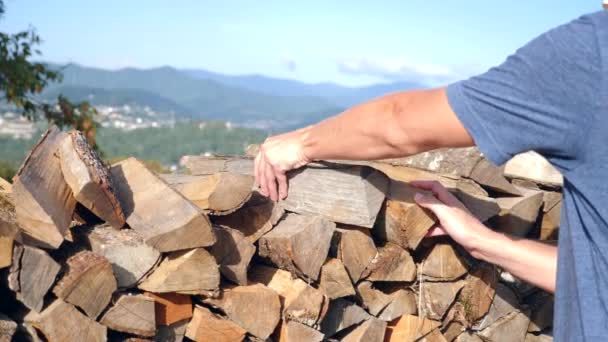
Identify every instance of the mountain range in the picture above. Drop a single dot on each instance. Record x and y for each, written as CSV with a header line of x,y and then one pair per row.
x,y
249,100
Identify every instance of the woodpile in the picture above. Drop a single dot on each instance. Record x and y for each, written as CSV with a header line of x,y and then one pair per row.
x,y
90,252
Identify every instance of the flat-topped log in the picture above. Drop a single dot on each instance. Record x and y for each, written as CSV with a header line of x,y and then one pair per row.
x,y
89,178
207,326
491,176
356,249
458,162
532,166
334,280
170,308
480,205
44,202
392,263
372,299
340,193
341,315
166,220
372,330
233,252
131,314
518,215
402,302
443,263
436,298
208,165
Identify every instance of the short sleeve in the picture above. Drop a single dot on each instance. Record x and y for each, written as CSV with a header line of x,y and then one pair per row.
x,y
542,98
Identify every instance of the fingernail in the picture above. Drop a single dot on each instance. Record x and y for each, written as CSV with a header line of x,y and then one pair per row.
x,y
418,196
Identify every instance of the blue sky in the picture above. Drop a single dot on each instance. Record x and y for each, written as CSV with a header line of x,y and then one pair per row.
x,y
348,42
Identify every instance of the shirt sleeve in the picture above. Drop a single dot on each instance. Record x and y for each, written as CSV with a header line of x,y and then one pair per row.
x,y
542,98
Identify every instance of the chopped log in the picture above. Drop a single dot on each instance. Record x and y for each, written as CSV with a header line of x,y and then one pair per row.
x,y
299,244
414,328
372,330
392,263
541,317
31,275
491,176
459,162
355,197
207,326
7,328
481,206
468,336
256,308
170,308
61,321
452,330
5,187
443,263
334,280
372,299
436,298
549,229
89,178
510,328
518,215
130,256
301,302
172,333
342,314
44,201
131,314
255,218
356,249
532,166
505,302
6,251
217,194
403,222
166,220
296,332
189,272
233,252
88,283
538,338
202,165
478,292
403,302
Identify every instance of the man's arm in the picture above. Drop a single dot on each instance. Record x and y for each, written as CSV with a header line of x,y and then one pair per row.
x,y
395,125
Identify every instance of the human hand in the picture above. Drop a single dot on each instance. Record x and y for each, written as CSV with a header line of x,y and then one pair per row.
x,y
278,155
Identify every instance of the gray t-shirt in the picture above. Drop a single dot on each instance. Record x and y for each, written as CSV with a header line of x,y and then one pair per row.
x,y
551,97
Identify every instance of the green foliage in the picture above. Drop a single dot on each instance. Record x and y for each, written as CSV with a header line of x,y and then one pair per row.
x,y
7,171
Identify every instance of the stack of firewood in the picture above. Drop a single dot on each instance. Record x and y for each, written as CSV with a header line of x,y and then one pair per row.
x,y
95,253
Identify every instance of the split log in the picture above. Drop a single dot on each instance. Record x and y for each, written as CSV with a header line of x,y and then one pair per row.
x,y
5,187
334,280
7,328
372,299
255,218
468,336
131,314
481,206
510,328
402,302
459,162
188,272
372,330
130,256
88,283
541,317
217,194
505,302
351,195
549,229
478,292
207,326
341,315
356,249
518,215
299,244
233,252
202,165
170,308
44,202
166,220
443,263
6,251
532,166
392,263
402,221
61,321
31,275
89,178
172,333
538,338
491,176
414,328
436,298
296,332
256,308
455,321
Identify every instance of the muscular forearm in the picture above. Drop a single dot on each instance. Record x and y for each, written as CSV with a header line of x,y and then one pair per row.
x,y
391,126
532,261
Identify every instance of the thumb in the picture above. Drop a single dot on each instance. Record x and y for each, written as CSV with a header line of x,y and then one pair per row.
x,y
431,203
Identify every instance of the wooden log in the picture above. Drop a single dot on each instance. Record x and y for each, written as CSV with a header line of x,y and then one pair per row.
x,y
299,244
436,298
505,302
131,314
392,263
549,229
291,331
372,330
218,194
89,178
468,336
31,275
402,302
6,251
170,308
334,280
172,333
532,166
478,292
356,249
372,299
510,328
130,256
88,283
207,326
44,202
402,221
356,194
480,205
256,308
166,220
459,162
518,215
538,338
61,322
414,328
202,165
541,316
233,252
7,328
5,187
255,218
491,176
443,263
188,272
341,315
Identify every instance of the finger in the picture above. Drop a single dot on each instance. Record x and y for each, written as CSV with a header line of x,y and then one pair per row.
x,y
438,189
432,203
263,186
271,182
282,180
436,231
